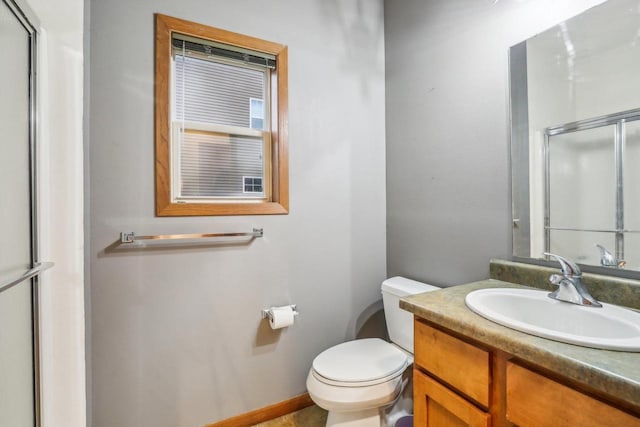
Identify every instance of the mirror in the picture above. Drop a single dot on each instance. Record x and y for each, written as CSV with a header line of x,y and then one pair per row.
x,y
575,138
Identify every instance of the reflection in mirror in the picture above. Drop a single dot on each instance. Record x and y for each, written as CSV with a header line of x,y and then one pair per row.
x,y
575,138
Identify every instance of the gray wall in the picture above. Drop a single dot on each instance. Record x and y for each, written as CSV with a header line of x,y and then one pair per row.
x,y
448,178
176,335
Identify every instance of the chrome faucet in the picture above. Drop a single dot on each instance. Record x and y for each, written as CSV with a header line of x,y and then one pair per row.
x,y
607,259
570,287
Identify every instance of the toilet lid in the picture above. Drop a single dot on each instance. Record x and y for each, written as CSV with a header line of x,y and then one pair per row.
x,y
360,360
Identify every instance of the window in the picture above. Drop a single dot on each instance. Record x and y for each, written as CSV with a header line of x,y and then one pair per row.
x,y
221,122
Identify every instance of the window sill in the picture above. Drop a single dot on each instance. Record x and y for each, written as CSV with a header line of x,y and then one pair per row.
x,y
215,209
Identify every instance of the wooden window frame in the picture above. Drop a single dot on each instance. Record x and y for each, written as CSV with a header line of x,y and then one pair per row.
x,y
279,176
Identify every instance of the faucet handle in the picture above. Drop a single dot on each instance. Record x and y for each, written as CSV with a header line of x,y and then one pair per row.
x,y
607,259
569,268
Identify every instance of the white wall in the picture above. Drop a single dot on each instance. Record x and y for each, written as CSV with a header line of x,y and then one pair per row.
x,y
177,338
448,181
60,74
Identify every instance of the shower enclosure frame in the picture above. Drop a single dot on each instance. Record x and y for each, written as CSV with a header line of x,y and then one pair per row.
x,y
27,19
619,120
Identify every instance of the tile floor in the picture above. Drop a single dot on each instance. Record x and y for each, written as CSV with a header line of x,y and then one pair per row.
x,y
312,416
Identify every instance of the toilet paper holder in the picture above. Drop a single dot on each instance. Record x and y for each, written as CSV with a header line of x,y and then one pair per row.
x,y
268,314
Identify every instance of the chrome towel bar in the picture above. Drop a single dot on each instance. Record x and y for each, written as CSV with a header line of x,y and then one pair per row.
x,y
38,268
130,237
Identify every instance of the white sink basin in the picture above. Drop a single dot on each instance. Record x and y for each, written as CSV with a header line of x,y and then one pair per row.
x,y
609,327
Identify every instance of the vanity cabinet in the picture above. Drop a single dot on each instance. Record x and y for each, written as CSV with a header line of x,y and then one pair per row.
x,y
458,382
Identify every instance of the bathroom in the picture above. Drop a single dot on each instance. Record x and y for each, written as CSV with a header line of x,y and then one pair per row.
x,y
399,164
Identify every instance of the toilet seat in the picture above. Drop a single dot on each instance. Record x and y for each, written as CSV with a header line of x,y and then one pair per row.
x,y
357,383
360,363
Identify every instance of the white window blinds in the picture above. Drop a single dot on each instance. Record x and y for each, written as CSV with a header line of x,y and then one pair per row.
x,y
220,124
213,164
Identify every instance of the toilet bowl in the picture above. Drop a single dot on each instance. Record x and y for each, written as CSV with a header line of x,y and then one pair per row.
x,y
364,383
354,380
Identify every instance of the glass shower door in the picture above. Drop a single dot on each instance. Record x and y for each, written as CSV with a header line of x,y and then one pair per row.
x,y
592,196
18,368
581,196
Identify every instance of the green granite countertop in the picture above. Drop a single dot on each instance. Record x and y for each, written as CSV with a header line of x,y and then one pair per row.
x,y
612,373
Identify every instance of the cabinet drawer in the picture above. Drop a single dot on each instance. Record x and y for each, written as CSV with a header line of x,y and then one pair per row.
x,y
535,400
437,406
460,364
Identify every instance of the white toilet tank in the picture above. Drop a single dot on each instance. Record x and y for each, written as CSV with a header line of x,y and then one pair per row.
x,y
399,321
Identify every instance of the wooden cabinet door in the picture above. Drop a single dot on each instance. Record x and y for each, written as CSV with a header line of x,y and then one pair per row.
x,y
437,406
537,401
462,365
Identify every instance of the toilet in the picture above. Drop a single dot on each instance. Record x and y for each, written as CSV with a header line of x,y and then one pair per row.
x,y
364,383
